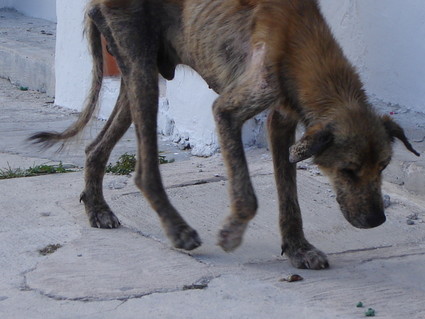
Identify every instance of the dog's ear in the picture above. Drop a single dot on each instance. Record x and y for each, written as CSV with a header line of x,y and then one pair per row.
x,y
395,131
314,141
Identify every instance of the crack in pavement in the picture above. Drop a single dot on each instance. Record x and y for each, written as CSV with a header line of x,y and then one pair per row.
x,y
349,251
147,236
392,257
185,184
200,284
195,182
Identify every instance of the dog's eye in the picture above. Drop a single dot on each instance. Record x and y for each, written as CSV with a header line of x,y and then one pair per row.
x,y
349,172
383,165
381,169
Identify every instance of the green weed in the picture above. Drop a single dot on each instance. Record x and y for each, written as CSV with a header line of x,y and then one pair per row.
x,y
36,170
126,164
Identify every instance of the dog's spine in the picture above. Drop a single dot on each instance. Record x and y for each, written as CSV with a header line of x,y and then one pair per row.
x,y
48,139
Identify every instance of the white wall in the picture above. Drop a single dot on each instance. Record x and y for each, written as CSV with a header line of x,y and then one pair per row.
x,y
6,3
44,9
383,38
187,116
72,63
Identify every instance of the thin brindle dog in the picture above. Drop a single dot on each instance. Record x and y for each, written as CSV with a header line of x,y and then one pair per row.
x,y
276,55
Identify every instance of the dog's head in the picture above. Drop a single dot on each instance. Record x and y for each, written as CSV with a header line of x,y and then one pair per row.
x,y
353,151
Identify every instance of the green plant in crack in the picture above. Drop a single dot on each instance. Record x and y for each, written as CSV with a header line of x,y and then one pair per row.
x,y
35,170
126,164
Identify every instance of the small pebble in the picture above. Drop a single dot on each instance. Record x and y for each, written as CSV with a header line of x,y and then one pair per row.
x,y
387,201
370,313
119,183
303,167
413,216
69,166
292,278
410,222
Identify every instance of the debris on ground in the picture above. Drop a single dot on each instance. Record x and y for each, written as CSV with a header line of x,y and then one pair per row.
x,y
412,218
387,201
370,313
126,164
292,278
49,249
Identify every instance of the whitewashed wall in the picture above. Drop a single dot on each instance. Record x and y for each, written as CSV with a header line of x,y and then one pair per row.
x,y
383,38
386,41
44,9
73,62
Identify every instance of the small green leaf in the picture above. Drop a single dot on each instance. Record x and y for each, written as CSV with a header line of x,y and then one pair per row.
x,y
370,313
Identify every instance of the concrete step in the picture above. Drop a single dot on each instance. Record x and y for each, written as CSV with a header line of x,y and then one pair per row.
x,y
27,51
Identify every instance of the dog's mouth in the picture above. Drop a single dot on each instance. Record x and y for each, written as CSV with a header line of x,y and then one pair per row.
x,y
364,220
368,213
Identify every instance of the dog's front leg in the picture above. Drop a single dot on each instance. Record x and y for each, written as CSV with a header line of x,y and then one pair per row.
x,y
301,253
242,196
254,92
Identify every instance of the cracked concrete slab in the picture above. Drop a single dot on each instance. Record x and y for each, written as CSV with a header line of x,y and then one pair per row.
x,y
114,265
134,269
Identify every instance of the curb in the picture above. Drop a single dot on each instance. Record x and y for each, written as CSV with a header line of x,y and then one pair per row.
x,y
27,51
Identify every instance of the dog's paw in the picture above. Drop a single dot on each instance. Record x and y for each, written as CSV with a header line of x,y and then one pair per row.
x,y
308,258
230,236
103,218
98,212
184,237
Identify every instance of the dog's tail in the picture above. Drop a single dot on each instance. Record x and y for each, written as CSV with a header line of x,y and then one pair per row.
x,y
48,139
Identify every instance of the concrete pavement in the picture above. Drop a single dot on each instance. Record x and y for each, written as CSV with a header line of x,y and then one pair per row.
x,y
132,272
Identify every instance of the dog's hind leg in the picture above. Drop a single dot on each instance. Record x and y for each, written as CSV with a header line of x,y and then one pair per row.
x,y
97,155
136,35
302,254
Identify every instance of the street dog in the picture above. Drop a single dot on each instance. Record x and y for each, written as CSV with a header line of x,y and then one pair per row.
x,y
275,55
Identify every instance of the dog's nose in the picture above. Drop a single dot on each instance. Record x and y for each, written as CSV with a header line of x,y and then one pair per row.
x,y
376,220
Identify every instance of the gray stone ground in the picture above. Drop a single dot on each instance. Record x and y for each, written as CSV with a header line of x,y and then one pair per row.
x,y
132,272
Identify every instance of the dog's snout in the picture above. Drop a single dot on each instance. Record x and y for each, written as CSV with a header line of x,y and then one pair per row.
x,y
376,220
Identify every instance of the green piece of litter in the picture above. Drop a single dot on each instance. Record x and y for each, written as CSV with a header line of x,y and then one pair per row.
x,y
370,313
23,88
359,305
